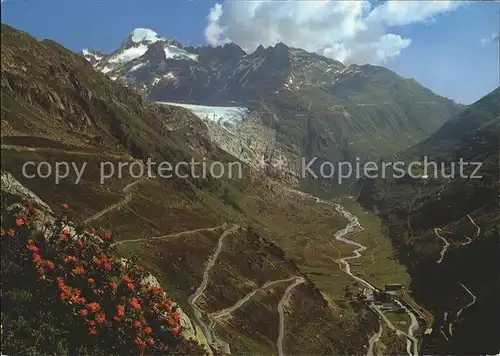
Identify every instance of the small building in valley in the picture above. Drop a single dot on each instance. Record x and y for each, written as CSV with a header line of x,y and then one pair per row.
x,y
393,287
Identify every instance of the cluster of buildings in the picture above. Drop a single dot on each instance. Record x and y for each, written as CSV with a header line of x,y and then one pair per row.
x,y
382,298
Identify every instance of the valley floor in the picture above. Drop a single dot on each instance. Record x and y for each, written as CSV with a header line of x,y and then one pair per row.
x,y
287,272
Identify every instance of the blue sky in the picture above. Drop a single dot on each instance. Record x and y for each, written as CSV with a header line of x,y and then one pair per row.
x,y
445,54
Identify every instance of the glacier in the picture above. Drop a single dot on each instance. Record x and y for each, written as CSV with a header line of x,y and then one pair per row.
x,y
227,116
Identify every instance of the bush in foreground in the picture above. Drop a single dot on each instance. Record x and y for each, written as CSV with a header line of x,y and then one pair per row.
x,y
64,293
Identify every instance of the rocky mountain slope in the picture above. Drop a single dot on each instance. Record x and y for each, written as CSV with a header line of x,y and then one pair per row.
x,y
447,228
210,242
301,104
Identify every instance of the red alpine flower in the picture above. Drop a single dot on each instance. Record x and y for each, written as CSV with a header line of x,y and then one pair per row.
x,y
33,248
120,310
84,312
100,318
94,307
50,265
135,303
79,270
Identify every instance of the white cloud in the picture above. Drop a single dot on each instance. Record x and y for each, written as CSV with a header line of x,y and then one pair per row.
x,y
402,13
492,39
213,31
349,31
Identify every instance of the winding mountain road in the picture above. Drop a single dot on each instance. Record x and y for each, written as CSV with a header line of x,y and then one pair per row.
x,y
446,244
208,330
246,298
117,205
281,304
450,329
478,229
411,339
209,334
125,200
354,226
389,323
445,321
359,105
173,235
450,323
374,339
53,149
468,241
473,296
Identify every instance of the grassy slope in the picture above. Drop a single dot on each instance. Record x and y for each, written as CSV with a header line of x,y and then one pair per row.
x,y
373,111
365,116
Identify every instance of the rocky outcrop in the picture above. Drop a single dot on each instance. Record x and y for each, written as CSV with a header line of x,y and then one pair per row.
x,y
19,194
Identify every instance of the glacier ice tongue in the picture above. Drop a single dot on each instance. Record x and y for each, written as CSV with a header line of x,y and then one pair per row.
x,y
224,115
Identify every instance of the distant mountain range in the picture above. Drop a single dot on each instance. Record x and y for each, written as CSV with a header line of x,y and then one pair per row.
x,y
307,105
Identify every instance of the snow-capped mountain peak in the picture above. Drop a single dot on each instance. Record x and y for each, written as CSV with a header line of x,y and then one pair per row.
x,y
145,35
92,56
163,69
143,51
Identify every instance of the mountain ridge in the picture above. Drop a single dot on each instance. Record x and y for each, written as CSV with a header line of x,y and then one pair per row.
x,y
197,50
306,104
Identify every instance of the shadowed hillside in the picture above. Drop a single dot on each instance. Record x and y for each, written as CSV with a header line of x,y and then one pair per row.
x,y
447,229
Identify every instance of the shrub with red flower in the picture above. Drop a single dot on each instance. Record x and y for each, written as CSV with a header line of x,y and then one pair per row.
x,y
88,291
19,221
